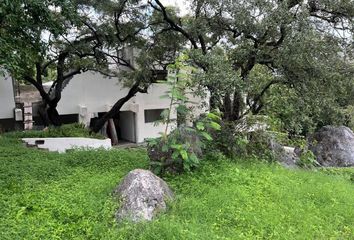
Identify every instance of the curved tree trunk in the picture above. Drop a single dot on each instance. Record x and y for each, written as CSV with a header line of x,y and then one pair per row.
x,y
53,116
49,115
116,108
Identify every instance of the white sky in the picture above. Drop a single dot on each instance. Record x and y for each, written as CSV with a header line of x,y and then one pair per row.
x,y
183,5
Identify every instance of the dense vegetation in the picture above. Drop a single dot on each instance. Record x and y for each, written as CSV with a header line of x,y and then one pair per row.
x,y
254,57
68,196
286,64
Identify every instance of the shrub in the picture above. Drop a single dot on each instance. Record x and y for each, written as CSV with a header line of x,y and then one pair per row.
x,y
228,141
182,149
307,159
67,130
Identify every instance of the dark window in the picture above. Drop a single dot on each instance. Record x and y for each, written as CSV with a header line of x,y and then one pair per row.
x,y
159,75
153,115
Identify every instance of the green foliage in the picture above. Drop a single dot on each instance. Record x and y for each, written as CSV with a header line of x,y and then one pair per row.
x,y
228,141
181,145
23,24
246,48
68,196
181,149
302,112
68,130
308,159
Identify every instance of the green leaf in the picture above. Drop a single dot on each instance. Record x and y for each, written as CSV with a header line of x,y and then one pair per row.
x,y
194,159
183,154
200,126
215,126
164,148
175,155
176,146
206,136
213,116
165,96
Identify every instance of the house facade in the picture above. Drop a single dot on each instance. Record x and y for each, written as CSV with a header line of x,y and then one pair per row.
x,y
89,95
7,103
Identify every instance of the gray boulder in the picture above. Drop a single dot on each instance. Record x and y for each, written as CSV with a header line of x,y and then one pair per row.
x,y
289,157
143,196
333,146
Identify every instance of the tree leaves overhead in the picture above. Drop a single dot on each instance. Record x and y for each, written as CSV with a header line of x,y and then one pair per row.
x,y
302,43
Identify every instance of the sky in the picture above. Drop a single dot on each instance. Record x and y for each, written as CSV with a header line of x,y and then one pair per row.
x,y
181,4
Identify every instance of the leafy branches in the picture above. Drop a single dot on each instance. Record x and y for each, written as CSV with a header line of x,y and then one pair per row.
x,y
181,149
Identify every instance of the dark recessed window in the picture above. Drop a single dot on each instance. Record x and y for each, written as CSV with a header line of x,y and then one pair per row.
x,y
153,115
159,75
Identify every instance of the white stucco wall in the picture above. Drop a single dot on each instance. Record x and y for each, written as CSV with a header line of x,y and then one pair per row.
x,y
92,93
96,93
7,100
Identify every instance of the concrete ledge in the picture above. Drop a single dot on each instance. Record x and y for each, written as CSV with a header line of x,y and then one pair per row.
x,y
62,144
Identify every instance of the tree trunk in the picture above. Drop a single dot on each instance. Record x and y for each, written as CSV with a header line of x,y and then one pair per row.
x,y
49,114
237,106
115,109
227,107
113,131
53,116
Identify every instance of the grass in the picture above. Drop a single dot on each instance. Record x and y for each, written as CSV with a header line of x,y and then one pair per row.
x,y
68,196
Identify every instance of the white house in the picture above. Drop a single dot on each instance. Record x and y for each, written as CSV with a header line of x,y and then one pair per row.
x,y
7,102
90,94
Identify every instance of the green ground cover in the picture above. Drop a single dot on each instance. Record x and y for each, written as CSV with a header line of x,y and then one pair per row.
x,y
68,196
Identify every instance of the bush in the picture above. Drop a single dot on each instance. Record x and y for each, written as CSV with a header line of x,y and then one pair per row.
x,y
181,149
67,130
307,159
229,141
179,152
233,143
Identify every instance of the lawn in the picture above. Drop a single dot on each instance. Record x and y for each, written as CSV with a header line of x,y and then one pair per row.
x,y
68,196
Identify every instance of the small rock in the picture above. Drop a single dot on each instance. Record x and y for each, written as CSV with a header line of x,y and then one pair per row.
x,y
143,196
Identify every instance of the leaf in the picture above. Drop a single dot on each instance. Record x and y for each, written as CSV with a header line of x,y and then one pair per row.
x,y
189,129
161,81
164,148
176,146
215,126
165,96
157,170
175,155
183,154
213,116
206,136
200,126
194,159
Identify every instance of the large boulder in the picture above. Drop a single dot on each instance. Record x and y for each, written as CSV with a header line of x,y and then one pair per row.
x,y
143,195
333,146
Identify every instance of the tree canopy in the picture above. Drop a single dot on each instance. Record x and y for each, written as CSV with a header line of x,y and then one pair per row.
x,y
248,51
